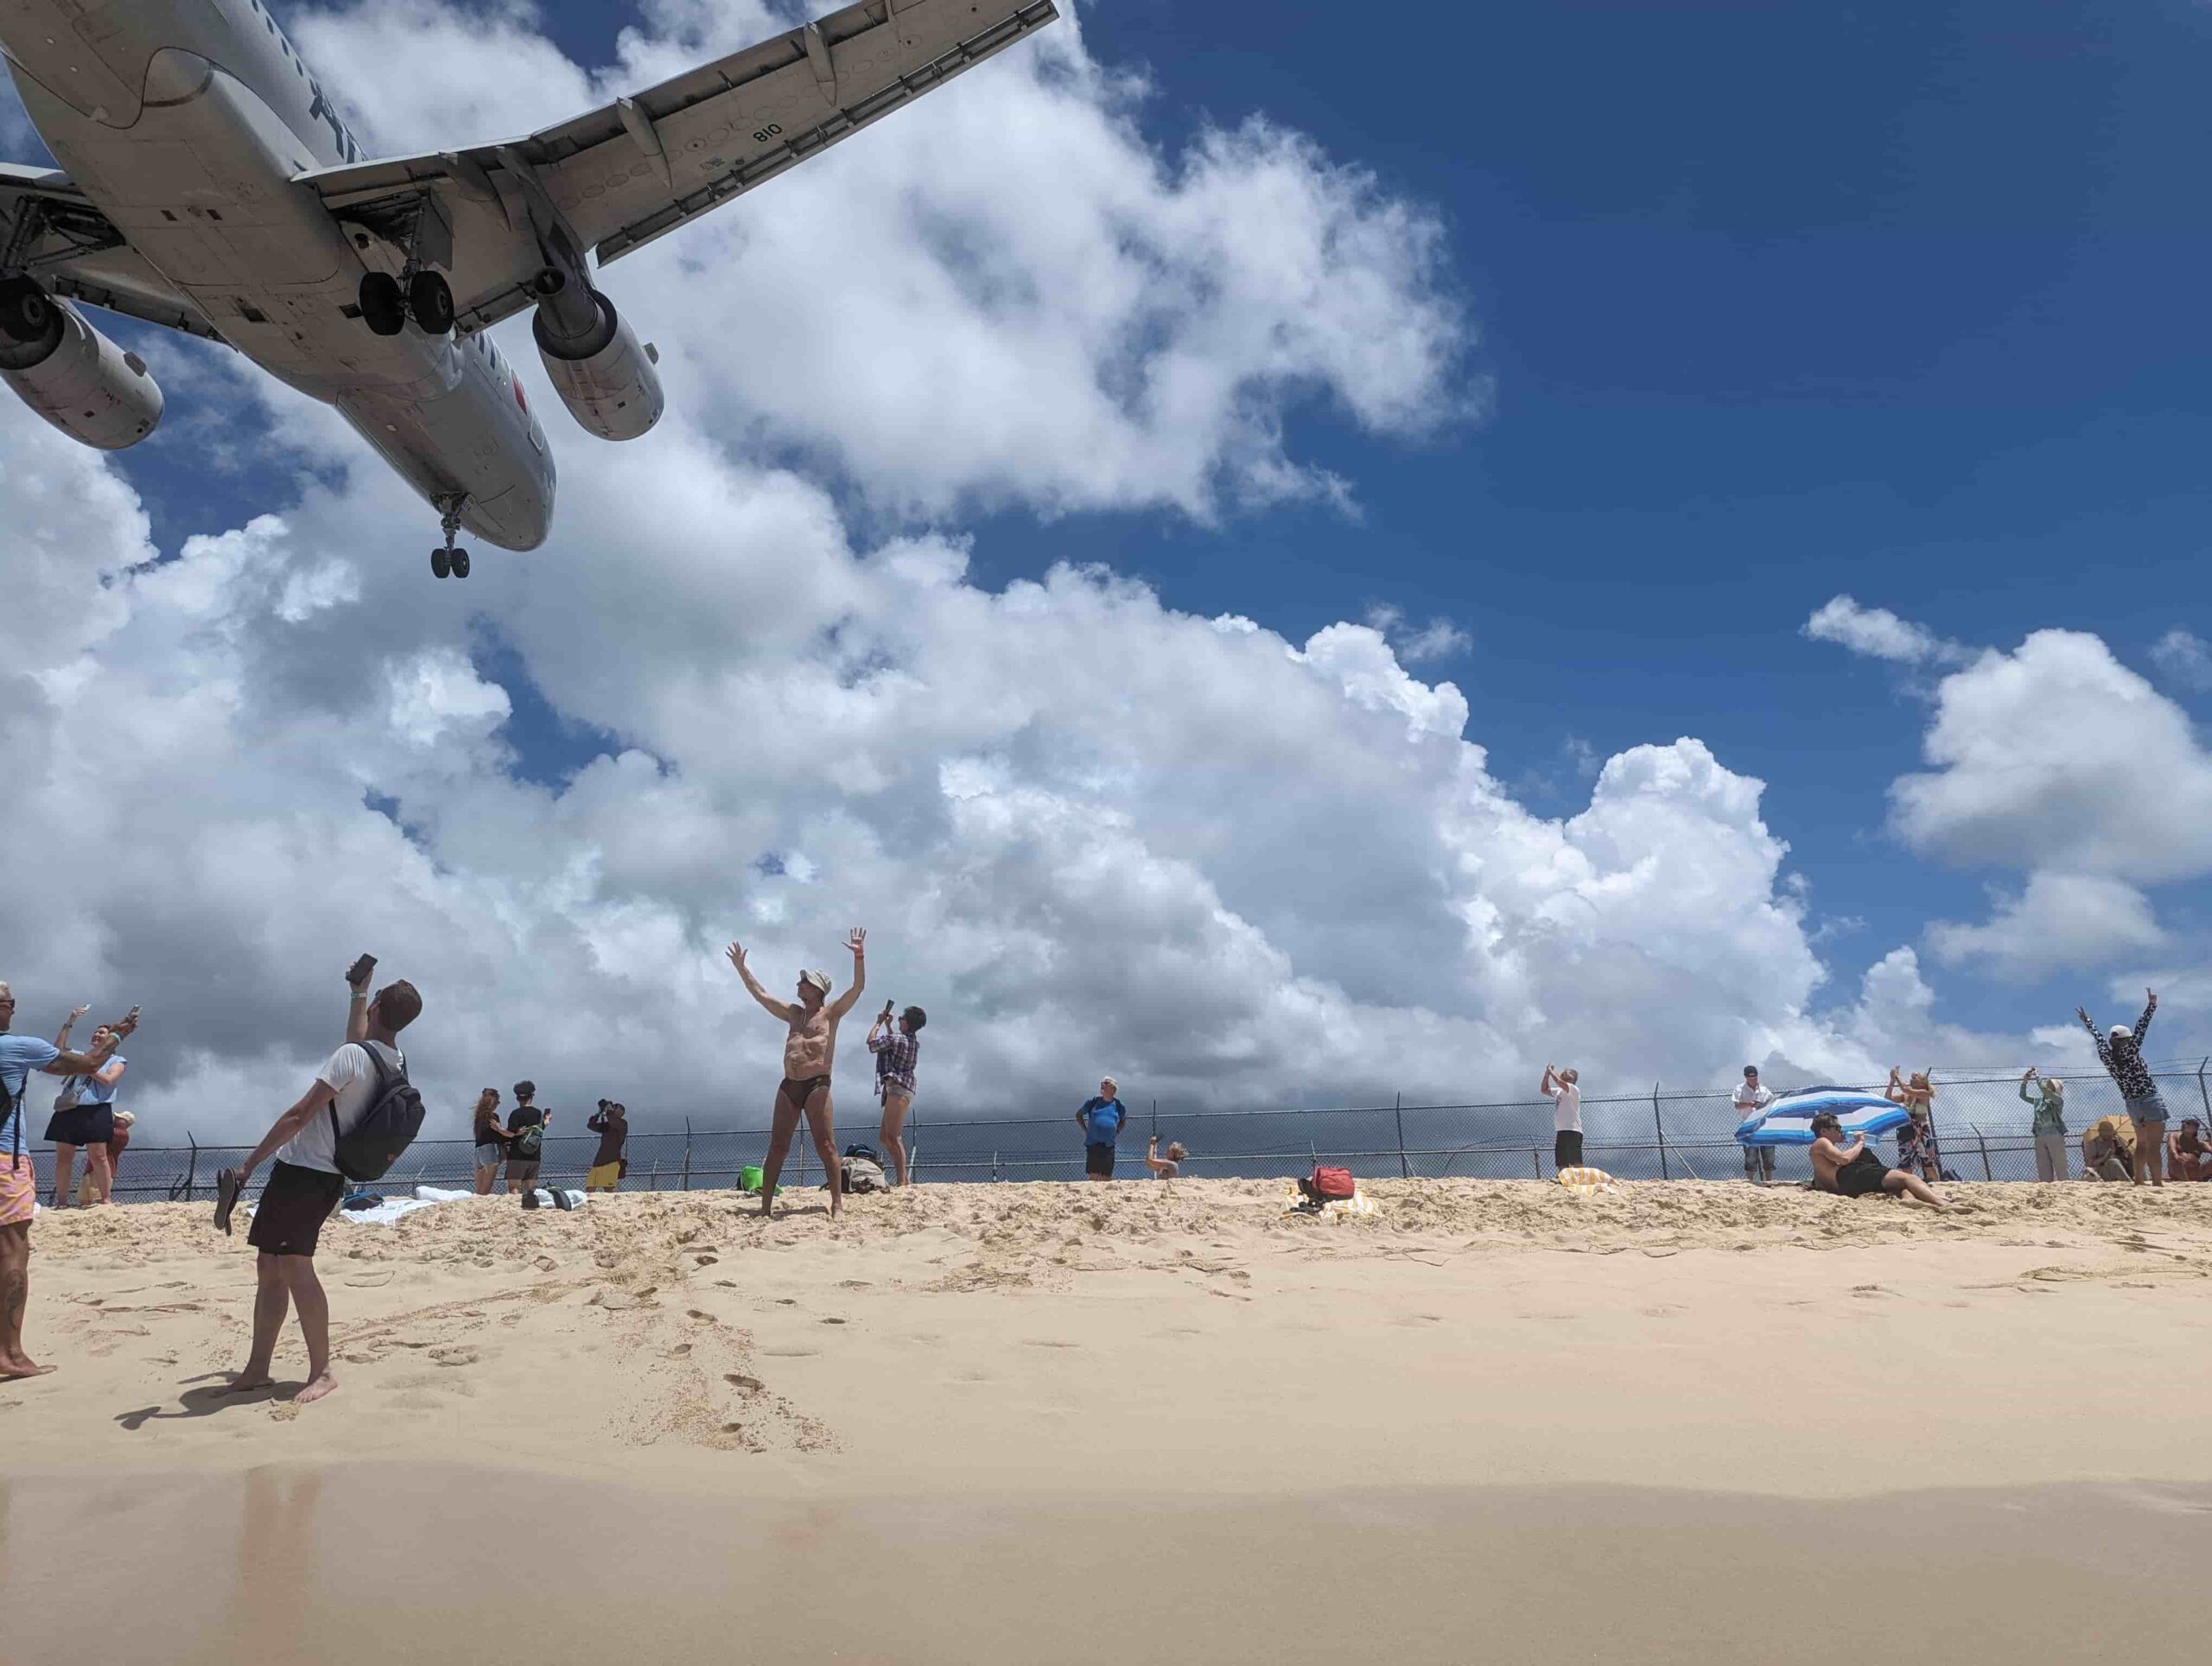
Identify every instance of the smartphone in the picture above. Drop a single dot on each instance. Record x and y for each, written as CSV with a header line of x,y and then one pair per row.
x,y
359,971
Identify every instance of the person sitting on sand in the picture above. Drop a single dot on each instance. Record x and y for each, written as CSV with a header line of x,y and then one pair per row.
x,y
2187,1158
810,1050
490,1140
1101,1119
19,1056
1167,1167
2106,1156
1853,1171
305,1185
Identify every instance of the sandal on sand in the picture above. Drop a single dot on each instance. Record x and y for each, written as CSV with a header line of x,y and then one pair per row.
x,y
228,1187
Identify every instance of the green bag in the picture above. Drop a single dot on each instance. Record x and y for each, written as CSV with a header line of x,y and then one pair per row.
x,y
751,1179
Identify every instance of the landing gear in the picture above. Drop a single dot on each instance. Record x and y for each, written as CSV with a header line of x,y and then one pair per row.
x,y
383,308
447,559
430,301
386,305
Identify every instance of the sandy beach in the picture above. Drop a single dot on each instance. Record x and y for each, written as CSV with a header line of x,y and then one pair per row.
x,y
1685,1421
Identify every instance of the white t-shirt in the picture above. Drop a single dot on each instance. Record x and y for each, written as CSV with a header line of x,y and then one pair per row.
x,y
1750,1099
1567,1108
348,1071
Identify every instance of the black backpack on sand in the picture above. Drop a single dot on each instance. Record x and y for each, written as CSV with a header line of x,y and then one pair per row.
x,y
388,1127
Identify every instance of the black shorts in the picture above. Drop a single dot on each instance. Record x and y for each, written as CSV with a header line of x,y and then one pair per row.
x,y
293,1207
82,1125
1862,1175
1098,1159
1567,1148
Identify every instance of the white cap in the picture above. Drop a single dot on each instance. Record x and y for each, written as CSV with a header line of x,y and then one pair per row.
x,y
820,980
2119,1030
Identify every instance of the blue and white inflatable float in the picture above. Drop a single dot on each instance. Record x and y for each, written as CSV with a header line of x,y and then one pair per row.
x,y
1788,1120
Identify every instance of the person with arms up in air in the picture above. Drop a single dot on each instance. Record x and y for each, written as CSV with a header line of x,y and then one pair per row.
x,y
305,1185
1916,1149
2048,1123
1167,1167
1560,1086
490,1140
810,1050
896,1052
527,1124
612,1124
1100,1120
83,1117
2120,1051
1853,1171
1751,1096
22,1057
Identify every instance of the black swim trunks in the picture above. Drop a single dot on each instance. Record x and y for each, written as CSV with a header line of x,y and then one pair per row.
x,y
1862,1175
799,1093
293,1205
1098,1159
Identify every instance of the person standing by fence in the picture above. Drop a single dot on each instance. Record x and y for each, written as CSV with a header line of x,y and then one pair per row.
x,y
527,1126
84,1118
489,1139
2120,1051
612,1124
1100,1120
21,1055
2049,1125
809,1055
1560,1087
1751,1097
1916,1147
896,1053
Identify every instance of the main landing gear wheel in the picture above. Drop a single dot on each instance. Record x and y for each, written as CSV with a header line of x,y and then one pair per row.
x,y
430,301
446,559
383,308
441,563
461,563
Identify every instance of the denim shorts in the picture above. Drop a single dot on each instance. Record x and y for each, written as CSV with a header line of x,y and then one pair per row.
x,y
2149,1108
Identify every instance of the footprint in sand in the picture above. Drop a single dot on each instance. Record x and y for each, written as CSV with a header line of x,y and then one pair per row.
x,y
790,1353
461,1356
699,1314
739,1380
369,1281
678,1351
1048,1342
833,1322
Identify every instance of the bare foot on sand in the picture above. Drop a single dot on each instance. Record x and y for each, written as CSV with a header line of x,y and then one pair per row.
x,y
323,1385
24,1366
242,1384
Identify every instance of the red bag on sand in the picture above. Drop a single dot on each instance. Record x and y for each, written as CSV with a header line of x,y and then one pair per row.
x,y
1331,1186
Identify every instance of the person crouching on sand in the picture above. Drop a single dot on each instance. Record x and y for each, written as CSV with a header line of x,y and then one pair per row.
x,y
2187,1158
1167,1167
490,1141
809,1050
305,1185
1852,1171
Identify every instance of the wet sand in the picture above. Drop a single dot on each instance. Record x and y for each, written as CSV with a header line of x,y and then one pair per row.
x,y
355,1564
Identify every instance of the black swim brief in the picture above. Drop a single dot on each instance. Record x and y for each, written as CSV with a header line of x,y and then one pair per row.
x,y
799,1093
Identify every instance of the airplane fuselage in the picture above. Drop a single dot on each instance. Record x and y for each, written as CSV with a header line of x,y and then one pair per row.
x,y
187,123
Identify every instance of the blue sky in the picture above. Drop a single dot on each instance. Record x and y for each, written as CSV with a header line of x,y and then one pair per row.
x,y
1770,303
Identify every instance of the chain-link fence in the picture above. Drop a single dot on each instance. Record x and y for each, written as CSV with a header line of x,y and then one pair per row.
x,y
1982,1130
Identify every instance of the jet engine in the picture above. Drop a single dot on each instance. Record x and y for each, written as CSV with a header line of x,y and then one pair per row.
x,y
71,374
607,380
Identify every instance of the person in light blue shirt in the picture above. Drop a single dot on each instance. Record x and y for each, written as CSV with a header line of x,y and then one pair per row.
x,y
1100,1121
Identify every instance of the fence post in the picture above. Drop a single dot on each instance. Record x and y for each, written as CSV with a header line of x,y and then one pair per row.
x,y
1659,1123
191,1169
1983,1142
2201,1093
687,1154
1536,1160
1398,1110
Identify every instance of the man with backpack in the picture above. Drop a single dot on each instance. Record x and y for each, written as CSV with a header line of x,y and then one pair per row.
x,y
526,1124
361,1093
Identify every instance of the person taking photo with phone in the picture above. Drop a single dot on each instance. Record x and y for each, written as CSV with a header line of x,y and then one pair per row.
x,y
896,1049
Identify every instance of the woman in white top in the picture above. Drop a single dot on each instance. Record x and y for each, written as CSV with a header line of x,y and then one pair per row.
x,y
84,1115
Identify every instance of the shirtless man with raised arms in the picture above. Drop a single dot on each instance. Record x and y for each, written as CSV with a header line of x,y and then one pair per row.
x,y
808,1051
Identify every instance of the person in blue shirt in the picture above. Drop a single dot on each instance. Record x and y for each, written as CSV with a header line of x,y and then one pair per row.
x,y
1100,1121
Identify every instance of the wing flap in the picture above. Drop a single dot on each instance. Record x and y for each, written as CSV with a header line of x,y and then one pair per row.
x,y
636,170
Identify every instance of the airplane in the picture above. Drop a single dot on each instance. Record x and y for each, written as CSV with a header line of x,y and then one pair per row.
x,y
208,183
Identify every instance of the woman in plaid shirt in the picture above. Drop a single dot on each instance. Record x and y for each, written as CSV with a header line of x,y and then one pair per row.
x,y
895,1053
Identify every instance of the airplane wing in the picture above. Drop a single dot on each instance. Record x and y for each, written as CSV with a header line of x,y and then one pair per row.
x,y
637,168
49,229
